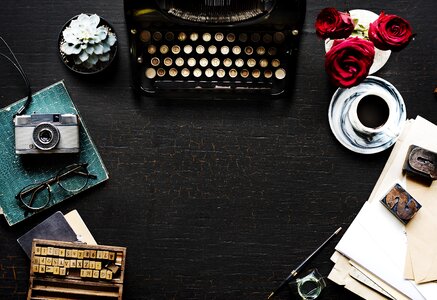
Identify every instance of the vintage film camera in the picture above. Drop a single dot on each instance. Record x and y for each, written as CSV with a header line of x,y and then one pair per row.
x,y
46,133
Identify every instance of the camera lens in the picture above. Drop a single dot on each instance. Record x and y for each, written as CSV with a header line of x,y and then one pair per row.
x,y
45,136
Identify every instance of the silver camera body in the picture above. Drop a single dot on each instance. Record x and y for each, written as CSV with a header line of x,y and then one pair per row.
x,y
46,133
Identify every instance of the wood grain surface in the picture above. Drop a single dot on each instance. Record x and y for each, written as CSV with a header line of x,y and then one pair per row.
x,y
213,200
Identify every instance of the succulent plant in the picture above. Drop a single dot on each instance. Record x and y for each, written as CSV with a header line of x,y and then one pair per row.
x,y
86,42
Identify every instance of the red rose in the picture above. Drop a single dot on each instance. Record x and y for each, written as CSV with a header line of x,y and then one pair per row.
x,y
390,32
348,62
334,24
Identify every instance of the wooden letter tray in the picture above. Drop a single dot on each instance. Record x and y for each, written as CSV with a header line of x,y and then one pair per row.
x,y
66,270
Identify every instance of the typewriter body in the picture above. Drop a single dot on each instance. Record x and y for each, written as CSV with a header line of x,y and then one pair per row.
x,y
213,49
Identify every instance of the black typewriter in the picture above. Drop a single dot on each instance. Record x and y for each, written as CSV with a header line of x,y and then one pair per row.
x,y
213,49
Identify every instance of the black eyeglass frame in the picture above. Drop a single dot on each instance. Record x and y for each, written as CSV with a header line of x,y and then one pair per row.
x,y
38,187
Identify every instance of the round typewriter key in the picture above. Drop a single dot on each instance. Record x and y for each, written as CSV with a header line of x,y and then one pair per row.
x,y
242,37
233,73
185,72
175,49
179,61
221,73
272,51
227,62
279,37
140,60
164,49
236,50
224,50
248,50
239,62
256,73
262,63
275,63
182,36
133,31
255,37
168,61
145,36
219,36
157,36
268,73
188,49
200,49
295,32
203,62
212,49
194,36
230,37
260,50
169,36
251,62
160,72
150,73
191,62
267,38
154,61
173,72
206,37
280,73
197,72
151,49
215,62
244,73
209,72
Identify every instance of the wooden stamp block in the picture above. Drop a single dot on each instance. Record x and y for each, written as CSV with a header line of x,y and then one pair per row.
x,y
37,250
80,254
79,263
49,261
62,252
49,250
55,270
98,265
92,264
421,164
401,204
73,263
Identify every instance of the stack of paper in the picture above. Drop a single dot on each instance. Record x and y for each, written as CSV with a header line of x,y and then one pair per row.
x,y
378,257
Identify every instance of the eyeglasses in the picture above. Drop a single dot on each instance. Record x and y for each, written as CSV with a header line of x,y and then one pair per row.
x,y
72,179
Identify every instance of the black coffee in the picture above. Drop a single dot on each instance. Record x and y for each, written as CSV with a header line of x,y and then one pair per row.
x,y
372,111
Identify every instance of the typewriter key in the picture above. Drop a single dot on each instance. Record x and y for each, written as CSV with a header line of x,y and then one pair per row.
x,y
185,72
140,60
163,49
244,73
236,50
191,62
268,73
248,50
280,73
154,61
215,62
168,61
194,36
251,62
260,50
175,49
200,49
179,61
209,72
224,50
233,73
160,72
219,36
242,37
145,36
262,63
227,62
239,62
230,37
275,63
279,37
157,36
212,49
203,62
272,51
169,36
255,37
267,38
182,36
256,73
173,72
151,49
221,73
206,37
188,49
197,72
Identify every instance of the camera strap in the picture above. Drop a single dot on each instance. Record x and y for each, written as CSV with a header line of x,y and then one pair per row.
x,y
17,65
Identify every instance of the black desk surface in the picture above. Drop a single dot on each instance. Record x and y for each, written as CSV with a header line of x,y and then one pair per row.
x,y
214,200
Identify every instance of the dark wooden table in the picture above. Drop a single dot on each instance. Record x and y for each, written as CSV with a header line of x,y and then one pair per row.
x,y
214,200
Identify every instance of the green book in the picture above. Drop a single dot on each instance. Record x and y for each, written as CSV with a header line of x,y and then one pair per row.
x,y
18,171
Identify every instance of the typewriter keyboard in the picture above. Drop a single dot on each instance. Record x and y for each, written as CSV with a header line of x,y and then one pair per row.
x,y
180,60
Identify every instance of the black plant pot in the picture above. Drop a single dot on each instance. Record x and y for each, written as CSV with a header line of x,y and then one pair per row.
x,y
100,66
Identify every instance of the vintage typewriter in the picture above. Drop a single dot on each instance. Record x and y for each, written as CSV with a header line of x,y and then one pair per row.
x,y
213,48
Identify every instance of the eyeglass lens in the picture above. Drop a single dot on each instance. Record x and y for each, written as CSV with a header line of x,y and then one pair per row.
x,y
73,178
38,196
